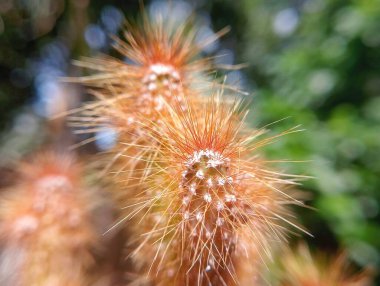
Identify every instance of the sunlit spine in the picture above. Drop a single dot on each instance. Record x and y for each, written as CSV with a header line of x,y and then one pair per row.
x,y
46,232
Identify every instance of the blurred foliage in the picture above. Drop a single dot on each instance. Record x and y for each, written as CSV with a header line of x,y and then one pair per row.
x,y
311,62
317,63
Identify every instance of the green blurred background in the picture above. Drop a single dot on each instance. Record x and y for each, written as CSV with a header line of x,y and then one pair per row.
x,y
310,62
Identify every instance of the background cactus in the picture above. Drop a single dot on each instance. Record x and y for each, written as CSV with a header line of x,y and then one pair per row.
x,y
301,267
46,227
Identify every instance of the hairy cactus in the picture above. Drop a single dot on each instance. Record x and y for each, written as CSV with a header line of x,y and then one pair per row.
x,y
207,194
163,67
46,233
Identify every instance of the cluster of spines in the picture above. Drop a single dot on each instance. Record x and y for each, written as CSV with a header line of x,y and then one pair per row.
x,y
194,193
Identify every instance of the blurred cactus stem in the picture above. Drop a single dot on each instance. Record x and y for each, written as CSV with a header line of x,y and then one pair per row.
x,y
46,231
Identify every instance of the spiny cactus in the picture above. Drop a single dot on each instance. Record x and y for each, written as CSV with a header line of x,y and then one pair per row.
x,y
207,192
163,65
46,232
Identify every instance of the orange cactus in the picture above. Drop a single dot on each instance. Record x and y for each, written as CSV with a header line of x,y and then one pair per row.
x,y
46,232
302,268
164,66
206,195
